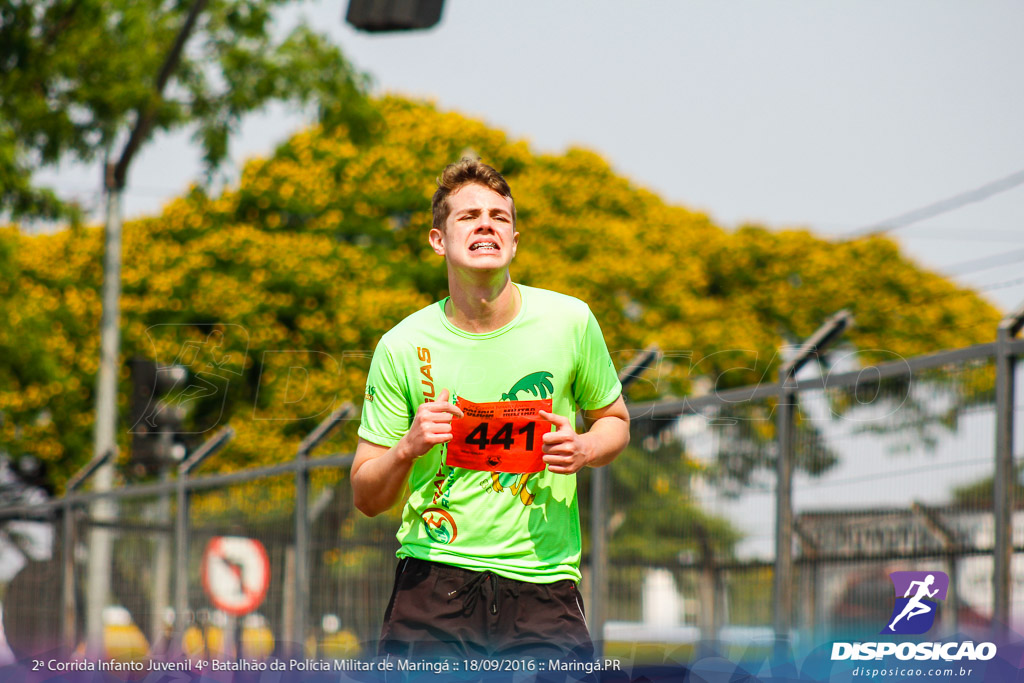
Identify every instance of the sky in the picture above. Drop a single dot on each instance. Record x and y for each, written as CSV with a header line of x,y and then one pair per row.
x,y
829,115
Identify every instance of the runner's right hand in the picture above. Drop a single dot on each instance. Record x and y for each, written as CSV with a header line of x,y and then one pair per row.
x,y
431,425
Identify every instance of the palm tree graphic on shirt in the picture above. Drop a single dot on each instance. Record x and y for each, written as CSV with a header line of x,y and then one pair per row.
x,y
537,383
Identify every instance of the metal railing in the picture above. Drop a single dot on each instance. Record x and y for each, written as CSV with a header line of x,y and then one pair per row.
x,y
786,400
758,447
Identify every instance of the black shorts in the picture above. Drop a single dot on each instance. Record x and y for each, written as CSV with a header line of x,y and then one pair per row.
x,y
438,610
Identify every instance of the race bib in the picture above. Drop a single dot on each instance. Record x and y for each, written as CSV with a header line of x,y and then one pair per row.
x,y
503,436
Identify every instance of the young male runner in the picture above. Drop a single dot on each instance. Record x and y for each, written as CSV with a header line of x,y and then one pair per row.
x,y
489,560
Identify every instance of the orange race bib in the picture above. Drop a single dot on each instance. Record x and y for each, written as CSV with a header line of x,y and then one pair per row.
x,y
503,436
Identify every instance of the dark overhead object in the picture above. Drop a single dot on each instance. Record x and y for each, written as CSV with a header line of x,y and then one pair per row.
x,y
376,16
157,414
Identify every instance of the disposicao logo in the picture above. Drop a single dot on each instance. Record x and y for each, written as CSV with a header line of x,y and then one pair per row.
x,y
917,596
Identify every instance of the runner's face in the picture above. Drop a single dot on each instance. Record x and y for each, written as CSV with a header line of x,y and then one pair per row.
x,y
478,233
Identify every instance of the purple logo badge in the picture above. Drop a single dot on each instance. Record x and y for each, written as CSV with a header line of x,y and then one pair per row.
x,y
917,596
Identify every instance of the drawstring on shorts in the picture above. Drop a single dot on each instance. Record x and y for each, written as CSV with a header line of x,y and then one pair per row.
x,y
472,589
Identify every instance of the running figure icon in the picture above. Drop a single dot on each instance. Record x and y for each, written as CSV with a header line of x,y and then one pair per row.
x,y
915,606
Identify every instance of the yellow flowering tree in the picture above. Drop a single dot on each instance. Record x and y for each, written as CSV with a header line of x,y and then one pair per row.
x,y
274,292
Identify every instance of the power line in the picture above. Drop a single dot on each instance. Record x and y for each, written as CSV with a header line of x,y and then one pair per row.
x,y
968,234
933,230
984,263
1000,285
768,488
930,467
955,202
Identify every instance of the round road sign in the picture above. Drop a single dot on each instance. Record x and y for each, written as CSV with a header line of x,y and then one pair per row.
x,y
236,573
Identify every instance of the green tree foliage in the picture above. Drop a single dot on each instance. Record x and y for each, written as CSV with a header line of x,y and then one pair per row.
x,y
76,74
651,500
280,287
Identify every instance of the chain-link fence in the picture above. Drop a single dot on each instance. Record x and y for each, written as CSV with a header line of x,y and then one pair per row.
x,y
892,466
860,472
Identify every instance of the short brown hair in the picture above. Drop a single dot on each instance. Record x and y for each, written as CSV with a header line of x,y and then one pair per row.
x,y
462,173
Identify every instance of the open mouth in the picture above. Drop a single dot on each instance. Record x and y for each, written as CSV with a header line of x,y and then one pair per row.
x,y
484,246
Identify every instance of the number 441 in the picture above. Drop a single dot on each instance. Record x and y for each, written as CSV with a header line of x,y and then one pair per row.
x,y
503,437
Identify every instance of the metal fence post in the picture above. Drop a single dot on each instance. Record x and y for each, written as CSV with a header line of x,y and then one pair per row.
x,y
1005,478
67,569
180,559
311,441
599,488
161,583
782,586
709,621
598,556
181,544
67,581
810,554
951,548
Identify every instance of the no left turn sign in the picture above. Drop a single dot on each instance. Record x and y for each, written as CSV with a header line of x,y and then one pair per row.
x,y
235,573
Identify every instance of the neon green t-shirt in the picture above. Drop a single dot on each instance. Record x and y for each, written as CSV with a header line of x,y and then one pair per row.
x,y
522,526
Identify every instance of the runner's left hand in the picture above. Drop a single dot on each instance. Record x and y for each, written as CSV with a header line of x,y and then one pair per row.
x,y
564,450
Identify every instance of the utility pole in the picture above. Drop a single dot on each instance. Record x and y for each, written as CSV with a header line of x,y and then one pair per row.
x,y
114,180
104,436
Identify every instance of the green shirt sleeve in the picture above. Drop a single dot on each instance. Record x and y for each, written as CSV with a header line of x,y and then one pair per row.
x,y
597,384
386,415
